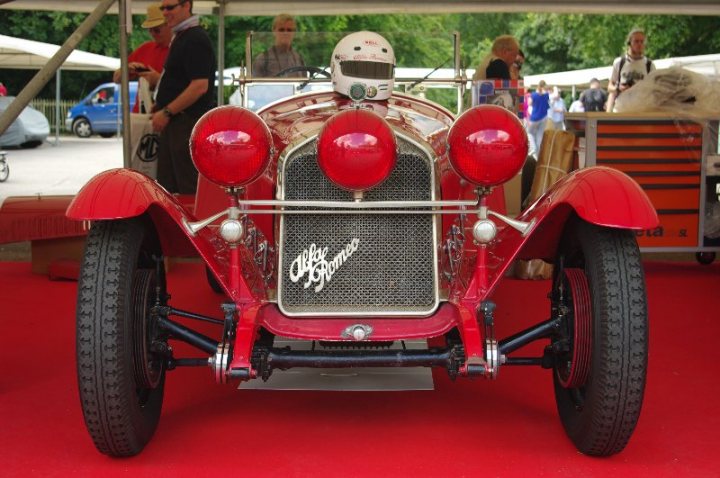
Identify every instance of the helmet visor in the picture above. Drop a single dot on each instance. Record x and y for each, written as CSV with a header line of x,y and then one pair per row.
x,y
372,70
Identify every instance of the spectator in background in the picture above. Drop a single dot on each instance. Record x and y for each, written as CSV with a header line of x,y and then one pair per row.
x,y
629,68
594,98
540,104
148,59
515,69
501,58
281,55
3,90
516,74
183,94
557,110
576,107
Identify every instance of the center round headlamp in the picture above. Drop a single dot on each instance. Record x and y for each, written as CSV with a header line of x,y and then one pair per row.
x,y
357,149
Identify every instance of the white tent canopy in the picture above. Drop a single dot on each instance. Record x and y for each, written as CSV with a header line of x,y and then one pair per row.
x,y
708,65
357,7
27,54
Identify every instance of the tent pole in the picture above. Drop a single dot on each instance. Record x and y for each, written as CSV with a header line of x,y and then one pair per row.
x,y
125,25
221,53
57,107
43,76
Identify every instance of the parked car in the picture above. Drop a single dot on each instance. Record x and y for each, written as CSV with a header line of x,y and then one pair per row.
x,y
99,112
353,220
28,130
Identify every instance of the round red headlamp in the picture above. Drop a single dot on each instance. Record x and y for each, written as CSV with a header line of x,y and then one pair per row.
x,y
488,145
356,149
230,146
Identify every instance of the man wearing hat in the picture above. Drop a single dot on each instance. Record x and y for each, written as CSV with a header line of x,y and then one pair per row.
x,y
148,59
184,93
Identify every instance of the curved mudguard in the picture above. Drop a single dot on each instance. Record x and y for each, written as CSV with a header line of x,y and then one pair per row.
x,y
124,193
120,194
602,196
599,195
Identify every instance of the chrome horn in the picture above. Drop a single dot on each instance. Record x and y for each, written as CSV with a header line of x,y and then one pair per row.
x,y
521,226
194,227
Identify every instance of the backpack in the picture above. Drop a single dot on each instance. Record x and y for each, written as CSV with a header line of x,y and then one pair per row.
x,y
648,64
593,99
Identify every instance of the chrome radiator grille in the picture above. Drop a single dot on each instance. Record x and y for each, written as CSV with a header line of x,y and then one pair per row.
x,y
393,268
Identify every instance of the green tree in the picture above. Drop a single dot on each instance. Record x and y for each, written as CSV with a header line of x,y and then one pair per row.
x,y
552,42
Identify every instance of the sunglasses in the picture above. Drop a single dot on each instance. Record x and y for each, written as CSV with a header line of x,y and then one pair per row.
x,y
155,30
286,30
167,8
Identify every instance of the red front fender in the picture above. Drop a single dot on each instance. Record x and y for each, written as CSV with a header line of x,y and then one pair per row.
x,y
118,194
602,196
124,193
599,195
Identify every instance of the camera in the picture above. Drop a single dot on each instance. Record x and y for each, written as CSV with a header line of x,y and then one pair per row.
x,y
628,83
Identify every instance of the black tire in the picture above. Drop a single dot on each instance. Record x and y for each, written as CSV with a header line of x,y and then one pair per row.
x,y
600,414
121,381
4,171
31,144
82,129
705,258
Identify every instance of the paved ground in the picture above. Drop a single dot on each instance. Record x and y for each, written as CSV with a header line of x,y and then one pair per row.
x,y
59,169
51,169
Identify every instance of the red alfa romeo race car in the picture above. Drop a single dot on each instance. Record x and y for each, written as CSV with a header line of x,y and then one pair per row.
x,y
360,217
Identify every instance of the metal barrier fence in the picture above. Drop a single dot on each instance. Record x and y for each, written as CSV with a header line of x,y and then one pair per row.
x,y
47,107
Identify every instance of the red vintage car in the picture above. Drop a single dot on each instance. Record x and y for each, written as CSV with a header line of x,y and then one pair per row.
x,y
361,217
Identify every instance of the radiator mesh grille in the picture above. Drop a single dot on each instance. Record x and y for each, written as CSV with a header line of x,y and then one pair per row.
x,y
393,268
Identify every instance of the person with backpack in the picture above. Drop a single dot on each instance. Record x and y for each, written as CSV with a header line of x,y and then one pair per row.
x,y
629,68
594,98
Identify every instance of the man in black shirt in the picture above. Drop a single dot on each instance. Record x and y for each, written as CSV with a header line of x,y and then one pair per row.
x,y
594,98
184,94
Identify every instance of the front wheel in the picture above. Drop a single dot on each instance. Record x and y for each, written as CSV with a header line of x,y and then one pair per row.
x,y
4,170
705,258
600,351
121,372
82,129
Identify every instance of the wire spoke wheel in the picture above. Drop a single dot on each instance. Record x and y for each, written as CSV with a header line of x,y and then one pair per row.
x,y
4,170
121,379
573,365
600,351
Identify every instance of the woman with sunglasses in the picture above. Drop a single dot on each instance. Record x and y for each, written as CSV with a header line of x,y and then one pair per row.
x,y
281,55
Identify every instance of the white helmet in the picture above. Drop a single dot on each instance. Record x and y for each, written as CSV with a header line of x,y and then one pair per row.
x,y
363,66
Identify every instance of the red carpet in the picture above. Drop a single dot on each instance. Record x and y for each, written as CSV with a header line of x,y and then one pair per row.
x,y
468,428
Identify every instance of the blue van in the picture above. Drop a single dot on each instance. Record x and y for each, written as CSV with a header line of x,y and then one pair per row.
x,y
99,112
